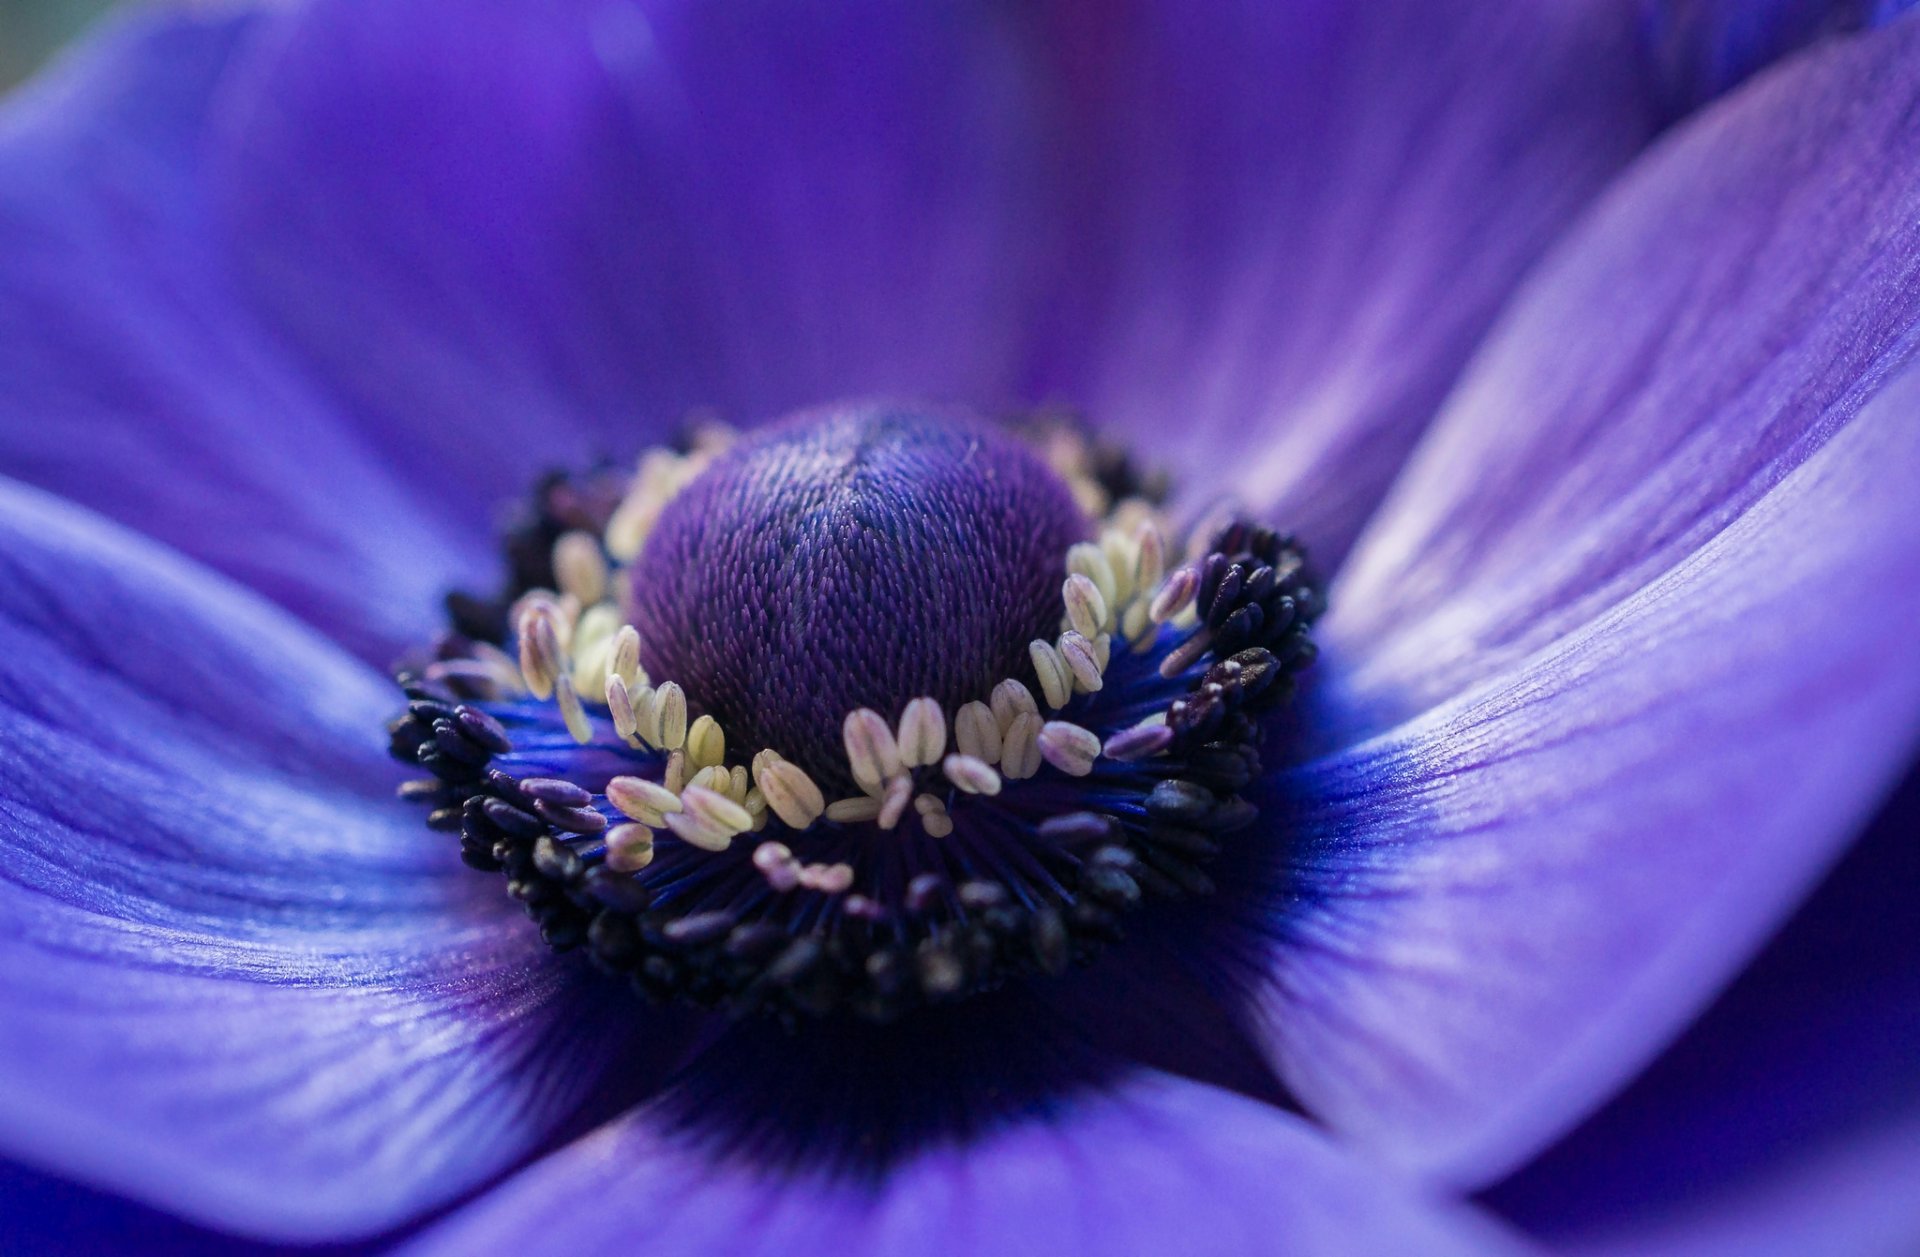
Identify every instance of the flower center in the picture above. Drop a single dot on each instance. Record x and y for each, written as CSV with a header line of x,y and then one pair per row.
x,y
879,707
849,558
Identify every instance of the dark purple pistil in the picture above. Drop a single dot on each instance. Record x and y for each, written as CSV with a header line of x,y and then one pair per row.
x,y
855,557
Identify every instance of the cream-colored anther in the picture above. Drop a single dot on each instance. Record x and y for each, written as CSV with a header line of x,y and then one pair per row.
x,y
1150,557
1186,654
706,743
893,804
933,815
923,733
1090,561
1082,662
579,568
670,716
540,658
1056,682
1010,699
1175,595
625,663
977,733
715,778
849,811
571,711
716,809
629,848
790,792
872,752
646,801
1069,748
697,831
973,775
1020,748
620,708
1086,609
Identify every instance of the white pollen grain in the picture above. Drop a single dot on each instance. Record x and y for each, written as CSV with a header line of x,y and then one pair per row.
x,y
1056,682
706,742
976,733
1011,699
1088,559
790,792
1081,660
1020,749
1069,748
670,716
971,774
629,848
620,708
1175,595
923,733
626,656
579,566
872,752
1086,609
893,805
850,811
575,716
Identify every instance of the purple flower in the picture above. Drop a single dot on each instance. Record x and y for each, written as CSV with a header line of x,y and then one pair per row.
x,y
1574,341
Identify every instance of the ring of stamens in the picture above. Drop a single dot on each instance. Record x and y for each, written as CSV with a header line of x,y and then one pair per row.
x,y
1009,835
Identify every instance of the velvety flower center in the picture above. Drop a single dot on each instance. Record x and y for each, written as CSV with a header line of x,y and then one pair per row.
x,y
855,557
881,706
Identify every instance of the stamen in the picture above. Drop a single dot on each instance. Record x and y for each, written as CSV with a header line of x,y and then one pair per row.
x,y
872,752
923,733
1068,747
971,774
976,733
789,791
1056,682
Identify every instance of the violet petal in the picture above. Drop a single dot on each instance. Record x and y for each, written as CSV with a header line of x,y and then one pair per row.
x,y
1737,299
1160,1166
236,980
132,379
1500,909
510,228
1296,221
1787,1120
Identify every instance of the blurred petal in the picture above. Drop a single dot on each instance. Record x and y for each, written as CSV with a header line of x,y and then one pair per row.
x,y
1729,307
237,979
1158,1167
52,1217
130,380
1500,909
515,224
1703,48
1787,1120
1296,220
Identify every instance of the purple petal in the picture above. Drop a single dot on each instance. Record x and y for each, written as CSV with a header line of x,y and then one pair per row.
x,y
1503,907
1703,48
1158,1167
237,980
1788,1119
1733,303
514,224
1296,220
132,382
1647,581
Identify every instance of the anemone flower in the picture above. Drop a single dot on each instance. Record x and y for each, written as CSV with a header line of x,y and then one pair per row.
x,y
1213,629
